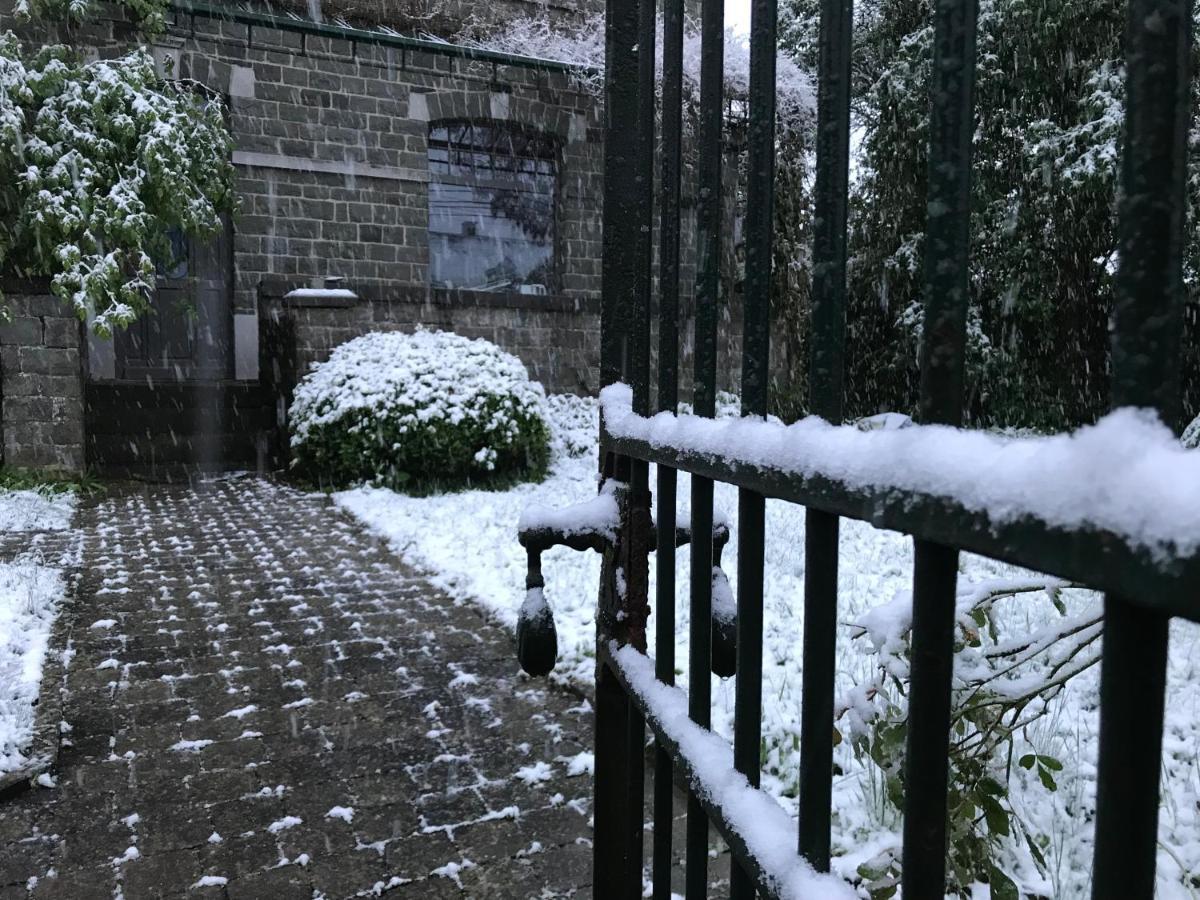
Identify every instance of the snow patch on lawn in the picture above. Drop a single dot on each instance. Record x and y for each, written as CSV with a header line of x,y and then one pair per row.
x,y
29,598
36,511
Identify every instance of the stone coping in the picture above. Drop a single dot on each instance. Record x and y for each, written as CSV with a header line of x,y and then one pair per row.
x,y
422,295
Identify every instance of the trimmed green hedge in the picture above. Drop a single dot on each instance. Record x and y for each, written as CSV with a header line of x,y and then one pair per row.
x,y
419,411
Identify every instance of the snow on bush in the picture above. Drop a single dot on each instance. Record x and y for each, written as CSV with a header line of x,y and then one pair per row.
x,y
149,14
1191,435
421,409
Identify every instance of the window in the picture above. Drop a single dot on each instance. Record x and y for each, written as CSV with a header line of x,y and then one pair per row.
x,y
491,208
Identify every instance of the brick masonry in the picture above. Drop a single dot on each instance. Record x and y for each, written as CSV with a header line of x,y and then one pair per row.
x,y
41,382
557,338
331,144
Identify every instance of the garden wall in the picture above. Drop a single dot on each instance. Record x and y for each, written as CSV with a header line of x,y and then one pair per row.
x,y
41,381
557,338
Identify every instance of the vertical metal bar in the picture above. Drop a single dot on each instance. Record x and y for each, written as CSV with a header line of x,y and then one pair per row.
x,y
619,261
756,342
668,399
664,665
708,283
943,348
639,368
615,873
1146,342
637,373
616,850
669,228
926,766
825,399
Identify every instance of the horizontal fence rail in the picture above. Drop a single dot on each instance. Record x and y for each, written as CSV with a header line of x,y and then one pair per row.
x,y
1098,559
1148,564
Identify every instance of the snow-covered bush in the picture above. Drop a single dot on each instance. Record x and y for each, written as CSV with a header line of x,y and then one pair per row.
x,y
99,161
429,409
574,424
1003,685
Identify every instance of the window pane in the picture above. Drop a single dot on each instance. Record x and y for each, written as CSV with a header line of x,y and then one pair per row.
x,y
496,231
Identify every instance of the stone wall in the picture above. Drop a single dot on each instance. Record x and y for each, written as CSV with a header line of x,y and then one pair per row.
x,y
331,150
444,17
41,382
557,338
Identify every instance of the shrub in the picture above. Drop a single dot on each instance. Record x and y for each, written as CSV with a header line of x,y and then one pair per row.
x,y
419,411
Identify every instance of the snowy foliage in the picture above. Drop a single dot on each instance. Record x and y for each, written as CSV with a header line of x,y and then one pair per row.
x,y
583,46
148,14
1003,685
429,408
1050,118
99,160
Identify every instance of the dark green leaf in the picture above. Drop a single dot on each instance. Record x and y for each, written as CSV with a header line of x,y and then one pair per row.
x,y
1003,887
1047,779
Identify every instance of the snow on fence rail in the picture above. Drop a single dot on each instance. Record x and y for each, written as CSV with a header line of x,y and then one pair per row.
x,y
751,814
1127,474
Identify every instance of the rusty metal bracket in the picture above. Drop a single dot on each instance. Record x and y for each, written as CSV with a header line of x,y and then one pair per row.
x,y
537,636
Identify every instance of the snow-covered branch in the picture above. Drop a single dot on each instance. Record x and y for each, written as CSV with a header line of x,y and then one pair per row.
x,y
99,160
583,46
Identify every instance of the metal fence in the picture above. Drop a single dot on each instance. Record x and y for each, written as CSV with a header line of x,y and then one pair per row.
x,y
1142,592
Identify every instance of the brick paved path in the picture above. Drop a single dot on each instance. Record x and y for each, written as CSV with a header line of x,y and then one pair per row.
x,y
264,703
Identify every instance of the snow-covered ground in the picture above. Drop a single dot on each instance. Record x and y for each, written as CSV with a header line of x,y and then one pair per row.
x,y
36,510
30,592
467,541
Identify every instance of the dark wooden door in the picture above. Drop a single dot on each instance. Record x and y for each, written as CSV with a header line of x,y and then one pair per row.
x,y
188,333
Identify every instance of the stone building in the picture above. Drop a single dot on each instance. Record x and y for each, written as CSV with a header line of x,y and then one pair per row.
x,y
384,182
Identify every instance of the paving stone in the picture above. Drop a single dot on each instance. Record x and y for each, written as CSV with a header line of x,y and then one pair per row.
x,y
275,663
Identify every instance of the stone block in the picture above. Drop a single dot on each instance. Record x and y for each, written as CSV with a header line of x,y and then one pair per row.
x,y
22,331
242,81
28,409
48,360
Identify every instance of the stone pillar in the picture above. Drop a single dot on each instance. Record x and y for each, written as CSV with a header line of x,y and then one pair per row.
x,y
41,382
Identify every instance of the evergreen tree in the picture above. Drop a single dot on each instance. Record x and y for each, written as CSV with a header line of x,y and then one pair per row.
x,y
1050,114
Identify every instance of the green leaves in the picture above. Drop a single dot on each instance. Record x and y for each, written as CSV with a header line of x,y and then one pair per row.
x,y
99,160
1045,765
985,829
1003,887
149,15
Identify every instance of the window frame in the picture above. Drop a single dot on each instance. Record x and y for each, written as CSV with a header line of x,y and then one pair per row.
x,y
546,146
